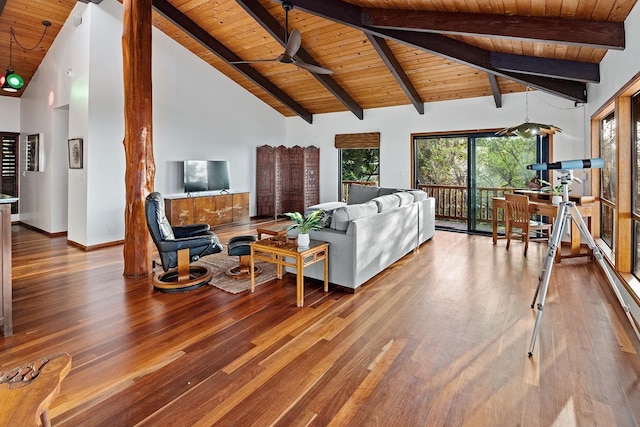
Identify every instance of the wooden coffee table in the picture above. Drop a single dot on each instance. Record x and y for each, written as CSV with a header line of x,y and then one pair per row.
x,y
284,252
277,229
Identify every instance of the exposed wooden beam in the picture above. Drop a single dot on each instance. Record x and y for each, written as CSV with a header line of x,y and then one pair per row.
x,y
495,90
558,68
381,46
180,20
350,15
269,23
577,32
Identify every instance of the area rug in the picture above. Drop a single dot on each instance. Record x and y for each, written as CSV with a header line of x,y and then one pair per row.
x,y
220,262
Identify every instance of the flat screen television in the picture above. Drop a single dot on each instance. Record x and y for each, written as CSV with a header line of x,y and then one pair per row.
x,y
206,175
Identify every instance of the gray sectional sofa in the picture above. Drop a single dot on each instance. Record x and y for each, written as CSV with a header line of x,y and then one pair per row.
x,y
374,229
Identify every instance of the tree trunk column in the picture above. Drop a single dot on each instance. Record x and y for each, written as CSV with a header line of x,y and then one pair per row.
x,y
138,142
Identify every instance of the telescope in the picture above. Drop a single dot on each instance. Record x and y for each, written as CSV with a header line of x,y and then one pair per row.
x,y
597,162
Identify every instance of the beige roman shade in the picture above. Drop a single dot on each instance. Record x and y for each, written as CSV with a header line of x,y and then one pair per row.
x,y
357,140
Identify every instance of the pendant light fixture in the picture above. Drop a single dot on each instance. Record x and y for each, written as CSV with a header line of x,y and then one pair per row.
x,y
528,129
11,81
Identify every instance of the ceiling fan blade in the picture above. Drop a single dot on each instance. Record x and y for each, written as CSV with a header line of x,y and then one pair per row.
x,y
293,44
312,68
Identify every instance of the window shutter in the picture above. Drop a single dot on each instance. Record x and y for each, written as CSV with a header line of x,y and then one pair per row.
x,y
357,140
9,169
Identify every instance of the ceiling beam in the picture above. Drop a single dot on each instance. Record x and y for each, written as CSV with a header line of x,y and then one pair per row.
x,y
495,89
350,15
381,46
558,68
576,32
173,15
273,27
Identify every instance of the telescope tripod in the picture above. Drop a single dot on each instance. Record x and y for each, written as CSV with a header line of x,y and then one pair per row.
x,y
568,210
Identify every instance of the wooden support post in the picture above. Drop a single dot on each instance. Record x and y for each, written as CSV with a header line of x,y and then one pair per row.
x,y
138,142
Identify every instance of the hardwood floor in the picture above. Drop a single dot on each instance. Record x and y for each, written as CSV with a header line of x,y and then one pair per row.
x,y
438,339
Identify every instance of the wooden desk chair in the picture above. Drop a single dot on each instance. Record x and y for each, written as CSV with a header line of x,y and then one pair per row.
x,y
519,217
27,391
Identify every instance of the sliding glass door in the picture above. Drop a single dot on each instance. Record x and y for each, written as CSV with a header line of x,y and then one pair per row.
x,y
465,172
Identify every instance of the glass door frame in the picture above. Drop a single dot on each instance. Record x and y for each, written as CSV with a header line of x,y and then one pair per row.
x,y
542,155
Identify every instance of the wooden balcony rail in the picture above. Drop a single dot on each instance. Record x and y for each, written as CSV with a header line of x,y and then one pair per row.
x,y
451,201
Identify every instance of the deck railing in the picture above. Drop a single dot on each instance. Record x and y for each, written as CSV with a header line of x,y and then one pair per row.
x,y
451,201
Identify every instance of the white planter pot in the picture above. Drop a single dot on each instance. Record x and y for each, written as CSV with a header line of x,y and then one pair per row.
x,y
556,200
303,240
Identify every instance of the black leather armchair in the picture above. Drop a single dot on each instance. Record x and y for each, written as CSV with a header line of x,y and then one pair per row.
x,y
178,247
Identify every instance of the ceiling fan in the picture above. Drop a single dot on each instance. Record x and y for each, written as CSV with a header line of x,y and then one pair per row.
x,y
292,45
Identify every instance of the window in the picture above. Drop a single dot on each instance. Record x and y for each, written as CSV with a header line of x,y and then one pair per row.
x,y
359,159
635,184
608,145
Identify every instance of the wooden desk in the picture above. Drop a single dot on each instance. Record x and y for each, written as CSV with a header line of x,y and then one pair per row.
x,y
280,251
545,209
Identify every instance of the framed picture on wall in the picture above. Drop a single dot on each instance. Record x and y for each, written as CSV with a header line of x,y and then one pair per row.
x,y
75,153
34,156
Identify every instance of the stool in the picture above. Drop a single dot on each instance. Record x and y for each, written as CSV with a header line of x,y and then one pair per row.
x,y
239,246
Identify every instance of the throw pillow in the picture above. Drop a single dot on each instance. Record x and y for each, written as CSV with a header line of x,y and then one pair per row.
x,y
343,216
325,219
385,191
359,193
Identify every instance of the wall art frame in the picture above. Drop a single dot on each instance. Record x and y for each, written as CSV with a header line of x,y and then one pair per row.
x,y
34,161
76,154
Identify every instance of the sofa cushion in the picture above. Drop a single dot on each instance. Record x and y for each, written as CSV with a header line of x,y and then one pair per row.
x,y
328,206
343,216
359,193
386,203
384,191
419,195
406,197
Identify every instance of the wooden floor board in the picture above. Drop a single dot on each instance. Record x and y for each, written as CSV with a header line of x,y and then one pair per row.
x,y
439,338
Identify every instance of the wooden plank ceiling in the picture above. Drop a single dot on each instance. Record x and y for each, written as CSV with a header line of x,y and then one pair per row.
x,y
382,52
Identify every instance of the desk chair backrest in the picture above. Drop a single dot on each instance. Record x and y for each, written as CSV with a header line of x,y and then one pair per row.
x,y
518,206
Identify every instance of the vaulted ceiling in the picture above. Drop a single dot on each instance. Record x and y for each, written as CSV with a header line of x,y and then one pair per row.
x,y
382,52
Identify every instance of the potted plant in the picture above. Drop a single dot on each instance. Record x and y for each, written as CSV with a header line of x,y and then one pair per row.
x,y
304,224
556,192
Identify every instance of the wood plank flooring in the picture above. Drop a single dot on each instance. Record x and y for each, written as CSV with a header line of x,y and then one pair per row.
x,y
438,339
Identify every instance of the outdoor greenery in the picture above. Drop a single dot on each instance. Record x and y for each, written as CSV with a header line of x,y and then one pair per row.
x,y
360,164
500,161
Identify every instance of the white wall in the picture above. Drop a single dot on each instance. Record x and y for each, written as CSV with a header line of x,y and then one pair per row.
x,y
9,114
209,117
41,192
396,124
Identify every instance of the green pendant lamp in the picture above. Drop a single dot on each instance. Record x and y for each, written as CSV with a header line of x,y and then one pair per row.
x,y
12,81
